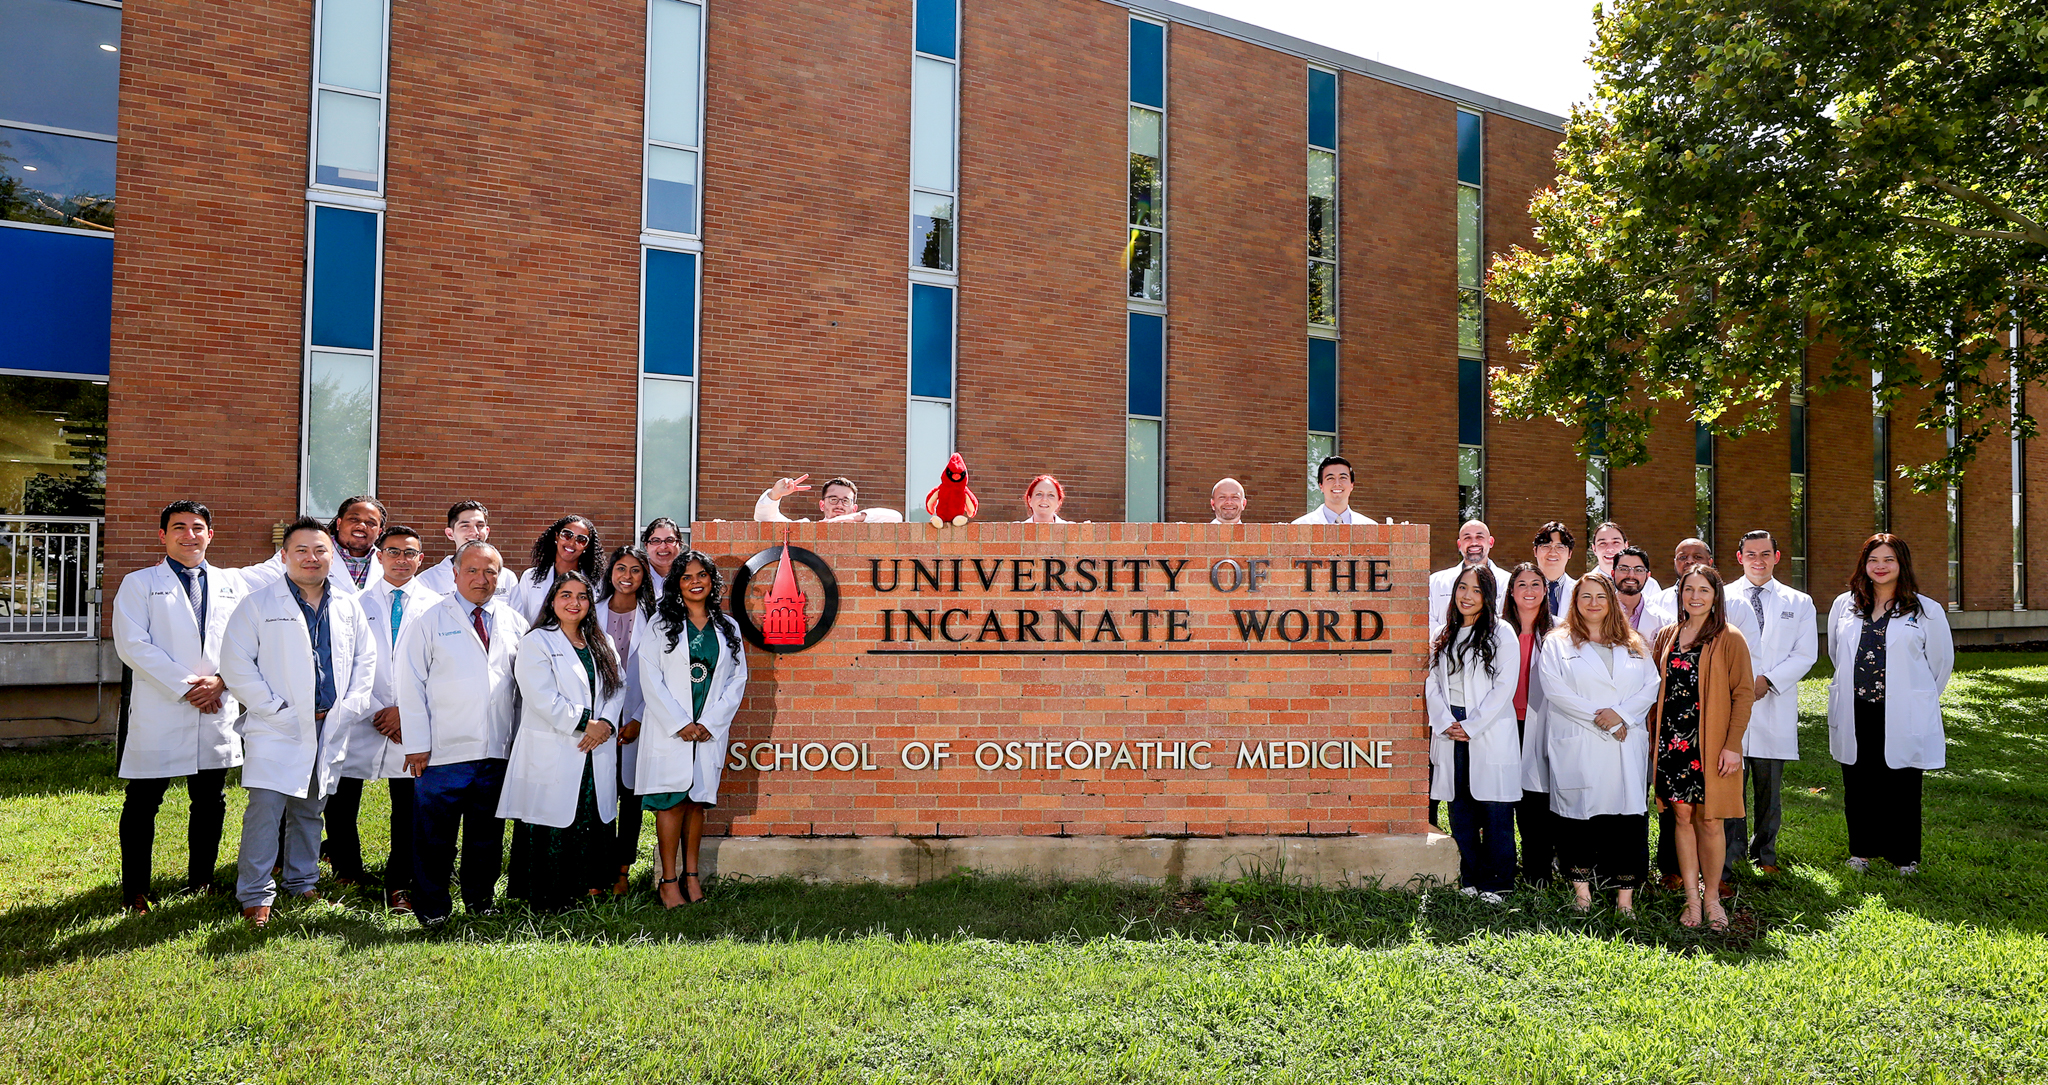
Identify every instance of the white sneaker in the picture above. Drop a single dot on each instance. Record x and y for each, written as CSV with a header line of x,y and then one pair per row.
x,y
1910,869
1469,891
1860,866
1494,898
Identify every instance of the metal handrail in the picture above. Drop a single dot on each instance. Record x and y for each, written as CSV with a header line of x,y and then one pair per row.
x,y
50,577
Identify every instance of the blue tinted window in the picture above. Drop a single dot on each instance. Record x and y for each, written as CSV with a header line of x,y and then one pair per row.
x,y
1148,365
1322,385
1148,64
1471,401
1468,147
58,180
53,69
344,278
1702,444
931,341
669,324
60,301
937,21
1798,436
1322,108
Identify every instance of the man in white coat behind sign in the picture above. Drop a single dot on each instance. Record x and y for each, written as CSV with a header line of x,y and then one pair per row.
x,y
168,623
299,654
1475,547
1781,652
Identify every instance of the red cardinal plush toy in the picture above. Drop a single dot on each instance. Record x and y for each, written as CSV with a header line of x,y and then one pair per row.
x,y
951,502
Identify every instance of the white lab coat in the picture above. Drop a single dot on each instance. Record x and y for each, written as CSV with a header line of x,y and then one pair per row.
x,y
1321,515
456,702
1444,581
267,659
1564,598
544,778
1651,618
1919,655
769,511
157,635
528,597
1536,723
668,763
371,756
1590,773
337,574
440,578
633,706
1495,749
1782,651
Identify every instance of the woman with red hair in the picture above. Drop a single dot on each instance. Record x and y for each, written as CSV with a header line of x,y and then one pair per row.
x,y
1042,501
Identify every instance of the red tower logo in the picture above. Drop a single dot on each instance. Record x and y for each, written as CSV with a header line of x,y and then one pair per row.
x,y
782,620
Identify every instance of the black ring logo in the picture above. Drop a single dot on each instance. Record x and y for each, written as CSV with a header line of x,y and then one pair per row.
x,y
827,582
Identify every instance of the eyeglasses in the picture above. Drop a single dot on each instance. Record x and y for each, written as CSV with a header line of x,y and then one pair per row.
x,y
577,537
663,544
396,554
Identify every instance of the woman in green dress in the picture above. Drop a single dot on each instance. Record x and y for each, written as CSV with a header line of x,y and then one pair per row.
x,y
561,783
693,674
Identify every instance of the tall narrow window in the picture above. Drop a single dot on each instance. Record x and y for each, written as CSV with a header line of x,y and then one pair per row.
x,y
1472,440
1322,198
1703,483
1322,410
1145,418
1145,252
1795,539
2018,406
1954,494
344,254
1599,508
672,260
1471,240
934,192
1880,460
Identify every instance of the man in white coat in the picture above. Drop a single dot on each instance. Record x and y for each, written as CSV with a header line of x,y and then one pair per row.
x,y
838,503
1631,580
468,521
1334,477
354,532
1552,551
1784,640
394,606
168,623
1475,548
298,654
457,700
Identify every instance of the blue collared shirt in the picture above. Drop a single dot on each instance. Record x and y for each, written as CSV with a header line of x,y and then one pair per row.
x,y
185,575
323,646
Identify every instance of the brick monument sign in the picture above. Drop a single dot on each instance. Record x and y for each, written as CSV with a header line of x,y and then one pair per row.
x,y
1125,700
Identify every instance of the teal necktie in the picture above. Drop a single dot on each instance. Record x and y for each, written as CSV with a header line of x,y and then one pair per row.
x,y
397,611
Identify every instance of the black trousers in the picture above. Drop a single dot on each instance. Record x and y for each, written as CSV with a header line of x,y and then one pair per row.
x,y
1882,803
446,799
1667,842
207,789
345,842
1538,827
630,816
1609,847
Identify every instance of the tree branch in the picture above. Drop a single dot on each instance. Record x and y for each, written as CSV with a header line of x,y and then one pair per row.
x,y
1965,231
2033,231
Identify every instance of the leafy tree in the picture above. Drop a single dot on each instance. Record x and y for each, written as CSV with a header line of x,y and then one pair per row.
x,y
1753,177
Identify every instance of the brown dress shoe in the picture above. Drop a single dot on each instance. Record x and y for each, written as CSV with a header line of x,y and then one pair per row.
x,y
310,896
1727,891
138,904
399,901
1767,869
1673,883
257,916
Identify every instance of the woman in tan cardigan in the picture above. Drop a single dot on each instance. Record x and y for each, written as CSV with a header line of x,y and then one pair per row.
x,y
1696,731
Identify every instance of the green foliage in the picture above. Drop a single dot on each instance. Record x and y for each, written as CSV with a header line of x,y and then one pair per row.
x,y
1752,178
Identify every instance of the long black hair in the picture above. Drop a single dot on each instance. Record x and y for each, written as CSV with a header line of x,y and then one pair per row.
x,y
544,553
643,597
1513,613
594,638
675,614
1482,636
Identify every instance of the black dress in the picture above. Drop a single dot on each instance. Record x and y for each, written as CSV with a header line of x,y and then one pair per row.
x,y
1679,777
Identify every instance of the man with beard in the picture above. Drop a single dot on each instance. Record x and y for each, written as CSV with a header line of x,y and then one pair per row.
x,y
1475,548
1688,553
1631,574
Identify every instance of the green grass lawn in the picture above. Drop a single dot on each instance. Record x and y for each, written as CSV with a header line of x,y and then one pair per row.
x,y
1827,975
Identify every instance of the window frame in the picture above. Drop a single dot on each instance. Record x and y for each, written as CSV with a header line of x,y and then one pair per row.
x,y
1135,302
315,189
1334,301
307,349
952,196
650,236
695,380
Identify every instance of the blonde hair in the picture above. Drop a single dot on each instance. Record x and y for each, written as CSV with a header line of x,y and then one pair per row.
x,y
1614,628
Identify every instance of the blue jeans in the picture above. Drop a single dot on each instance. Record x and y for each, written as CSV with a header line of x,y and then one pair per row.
x,y
1485,831
443,795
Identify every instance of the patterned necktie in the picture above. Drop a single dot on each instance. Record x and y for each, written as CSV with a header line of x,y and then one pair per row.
x,y
1756,600
397,612
1553,589
476,618
191,579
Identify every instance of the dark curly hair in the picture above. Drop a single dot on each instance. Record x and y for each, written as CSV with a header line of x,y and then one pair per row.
x,y
601,651
1482,637
544,553
646,598
675,614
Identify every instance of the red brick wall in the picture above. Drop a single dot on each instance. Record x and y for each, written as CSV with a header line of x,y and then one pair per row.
x,y
1987,515
1921,518
2037,504
1753,487
1840,511
1043,199
837,692
209,272
1653,501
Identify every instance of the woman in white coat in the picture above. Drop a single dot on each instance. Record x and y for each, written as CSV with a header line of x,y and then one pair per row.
x,y
693,674
1598,685
1475,753
1527,610
626,607
570,544
561,782
1893,655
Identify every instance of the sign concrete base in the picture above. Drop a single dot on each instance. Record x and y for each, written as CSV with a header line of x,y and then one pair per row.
x,y
1392,861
